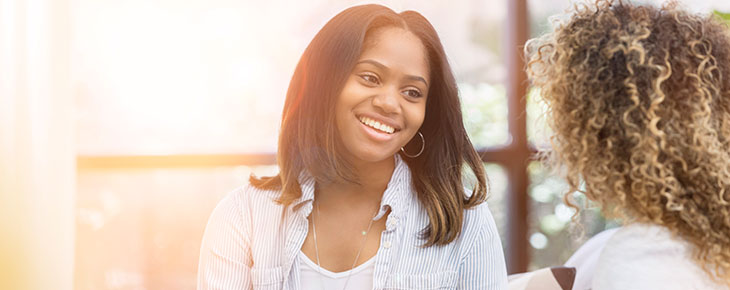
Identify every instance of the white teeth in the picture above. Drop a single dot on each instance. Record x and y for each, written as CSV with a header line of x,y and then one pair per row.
x,y
377,125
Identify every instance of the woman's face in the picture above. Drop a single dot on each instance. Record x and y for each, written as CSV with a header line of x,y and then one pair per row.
x,y
383,102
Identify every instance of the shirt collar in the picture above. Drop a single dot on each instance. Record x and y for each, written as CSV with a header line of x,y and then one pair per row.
x,y
399,193
397,197
304,202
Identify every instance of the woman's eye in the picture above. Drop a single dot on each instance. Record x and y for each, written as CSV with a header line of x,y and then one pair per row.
x,y
412,93
370,79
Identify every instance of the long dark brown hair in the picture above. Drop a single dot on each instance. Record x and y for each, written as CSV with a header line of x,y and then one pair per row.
x,y
309,139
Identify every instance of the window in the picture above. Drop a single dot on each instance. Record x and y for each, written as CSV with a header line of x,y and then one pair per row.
x,y
180,101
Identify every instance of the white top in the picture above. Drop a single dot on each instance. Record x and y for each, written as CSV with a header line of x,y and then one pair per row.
x,y
640,257
316,277
252,242
585,259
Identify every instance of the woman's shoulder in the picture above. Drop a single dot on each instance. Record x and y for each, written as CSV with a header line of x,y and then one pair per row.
x,y
478,216
258,194
642,256
478,220
249,199
640,240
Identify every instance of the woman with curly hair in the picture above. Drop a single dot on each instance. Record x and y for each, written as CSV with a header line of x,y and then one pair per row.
x,y
639,102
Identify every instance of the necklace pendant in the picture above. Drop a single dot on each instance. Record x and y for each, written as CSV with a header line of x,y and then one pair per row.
x,y
364,233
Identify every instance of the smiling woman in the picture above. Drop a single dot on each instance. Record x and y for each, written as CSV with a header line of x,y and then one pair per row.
x,y
383,102
354,204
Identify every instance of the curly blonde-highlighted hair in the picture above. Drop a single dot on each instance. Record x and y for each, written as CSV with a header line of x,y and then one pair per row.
x,y
639,102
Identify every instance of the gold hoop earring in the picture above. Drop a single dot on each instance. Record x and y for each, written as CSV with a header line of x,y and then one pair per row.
x,y
423,146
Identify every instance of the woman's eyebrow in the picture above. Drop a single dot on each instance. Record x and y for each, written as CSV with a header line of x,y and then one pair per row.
x,y
373,62
383,67
417,78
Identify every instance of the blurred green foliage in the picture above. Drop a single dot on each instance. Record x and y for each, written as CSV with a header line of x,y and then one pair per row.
x,y
484,107
723,15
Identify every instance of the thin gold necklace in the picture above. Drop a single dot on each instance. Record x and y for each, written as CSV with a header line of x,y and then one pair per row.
x,y
316,248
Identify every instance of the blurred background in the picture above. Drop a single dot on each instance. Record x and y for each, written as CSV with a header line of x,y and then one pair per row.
x,y
123,123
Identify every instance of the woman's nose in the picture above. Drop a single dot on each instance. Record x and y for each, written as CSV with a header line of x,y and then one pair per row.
x,y
387,101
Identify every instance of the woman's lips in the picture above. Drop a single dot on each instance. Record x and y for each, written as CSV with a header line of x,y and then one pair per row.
x,y
375,134
379,126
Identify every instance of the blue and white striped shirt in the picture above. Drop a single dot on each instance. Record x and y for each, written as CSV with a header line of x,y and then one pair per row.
x,y
252,242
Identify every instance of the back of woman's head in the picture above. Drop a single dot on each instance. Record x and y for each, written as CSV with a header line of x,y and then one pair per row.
x,y
639,102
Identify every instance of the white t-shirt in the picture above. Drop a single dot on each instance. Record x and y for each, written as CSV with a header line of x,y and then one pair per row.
x,y
361,277
641,257
585,259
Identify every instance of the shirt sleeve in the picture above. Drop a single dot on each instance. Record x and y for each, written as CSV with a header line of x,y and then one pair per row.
x,y
483,267
225,254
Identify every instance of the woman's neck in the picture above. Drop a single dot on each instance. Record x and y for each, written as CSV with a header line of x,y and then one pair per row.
x,y
373,178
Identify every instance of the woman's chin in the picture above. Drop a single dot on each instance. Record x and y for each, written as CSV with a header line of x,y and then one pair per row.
x,y
373,156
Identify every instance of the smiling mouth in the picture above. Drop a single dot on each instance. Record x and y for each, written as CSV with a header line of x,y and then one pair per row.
x,y
377,125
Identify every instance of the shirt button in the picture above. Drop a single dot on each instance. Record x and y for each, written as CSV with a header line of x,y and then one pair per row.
x,y
386,245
